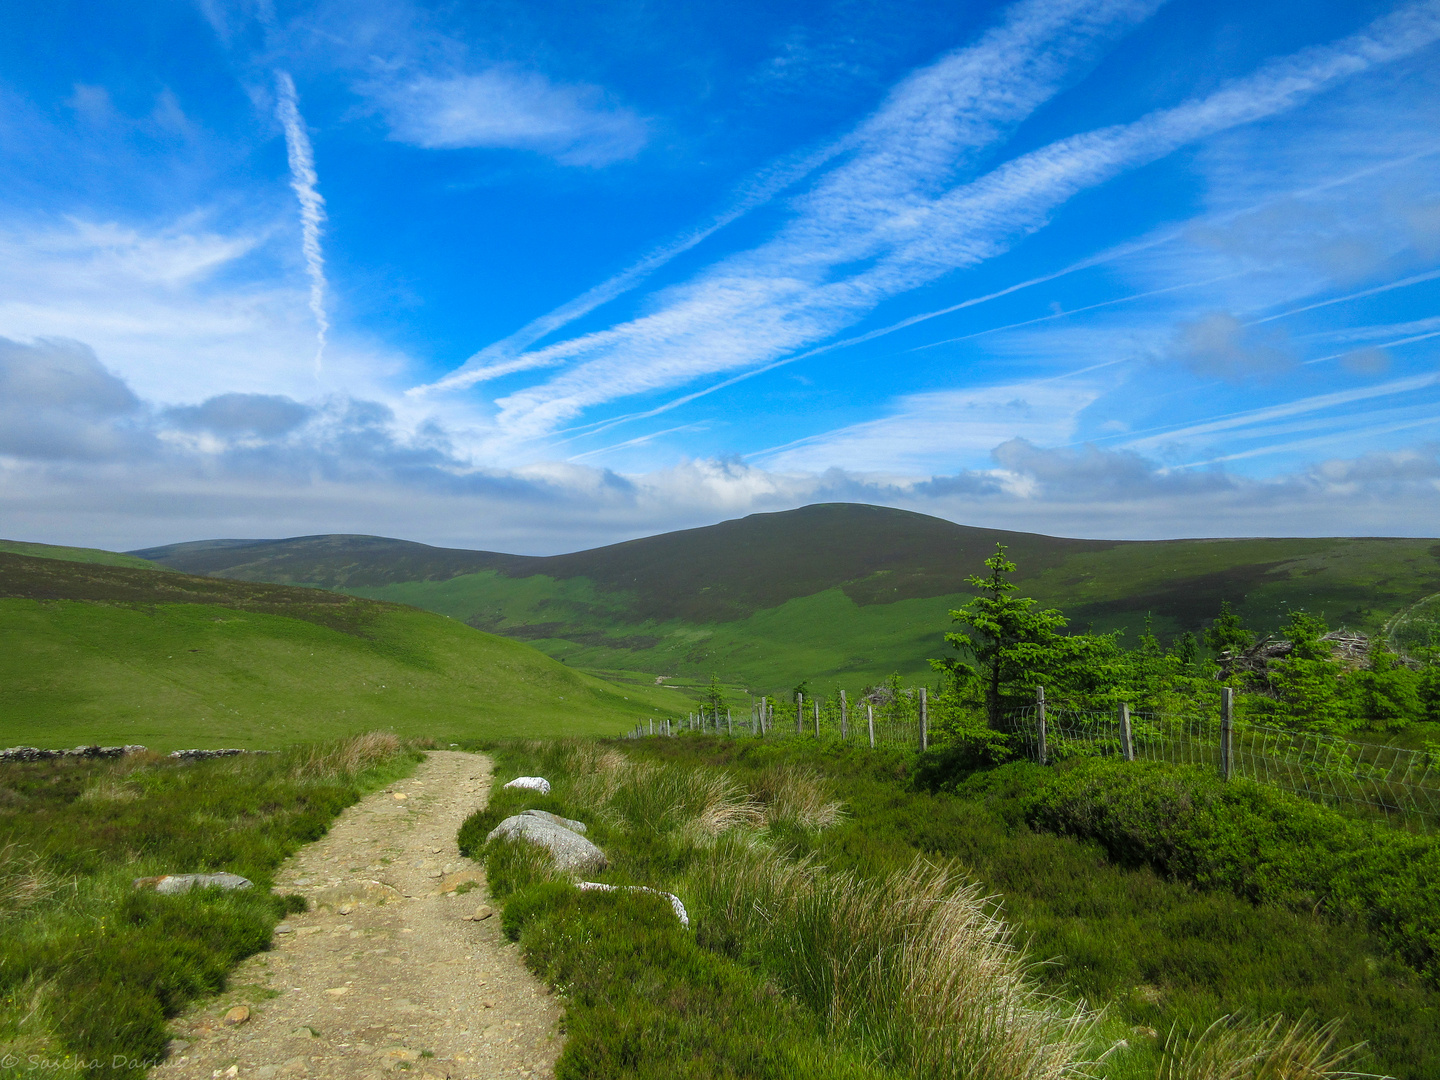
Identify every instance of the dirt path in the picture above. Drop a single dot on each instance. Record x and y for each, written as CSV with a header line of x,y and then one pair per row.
x,y
384,973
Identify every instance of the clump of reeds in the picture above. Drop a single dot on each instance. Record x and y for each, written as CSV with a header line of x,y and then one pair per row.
x,y
110,789
696,804
24,879
1241,1047
795,795
917,964
741,889
347,757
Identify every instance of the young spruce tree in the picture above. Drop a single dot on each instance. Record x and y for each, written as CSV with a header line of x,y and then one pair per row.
x,y
1012,643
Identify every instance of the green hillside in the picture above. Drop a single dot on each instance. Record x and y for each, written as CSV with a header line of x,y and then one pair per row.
x,y
74,554
112,654
834,591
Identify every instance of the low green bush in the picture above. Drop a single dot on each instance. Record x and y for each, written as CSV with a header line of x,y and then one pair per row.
x,y
1264,845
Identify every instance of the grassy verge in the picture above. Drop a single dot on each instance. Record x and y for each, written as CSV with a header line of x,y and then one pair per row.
x,y
90,967
803,899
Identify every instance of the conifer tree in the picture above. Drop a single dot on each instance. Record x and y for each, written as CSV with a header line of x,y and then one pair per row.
x,y
1012,643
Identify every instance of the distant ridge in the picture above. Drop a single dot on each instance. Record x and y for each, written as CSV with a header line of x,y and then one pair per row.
x,y
717,572
833,590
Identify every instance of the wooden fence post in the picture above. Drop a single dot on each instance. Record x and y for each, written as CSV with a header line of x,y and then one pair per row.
x,y
817,717
799,714
1040,721
870,721
924,722
1127,746
652,727
1227,731
729,724
844,717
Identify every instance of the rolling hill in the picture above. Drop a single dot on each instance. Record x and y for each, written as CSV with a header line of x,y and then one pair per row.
x,y
832,592
120,651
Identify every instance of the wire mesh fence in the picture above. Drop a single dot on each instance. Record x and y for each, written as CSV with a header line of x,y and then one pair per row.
x,y
1403,785
897,721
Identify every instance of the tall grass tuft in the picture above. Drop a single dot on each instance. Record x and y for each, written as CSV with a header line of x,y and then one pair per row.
x,y
696,805
1253,1048
916,965
25,880
346,757
795,795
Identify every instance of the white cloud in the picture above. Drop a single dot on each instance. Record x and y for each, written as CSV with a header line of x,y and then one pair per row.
x,y
932,433
181,310
883,206
508,109
303,181
84,460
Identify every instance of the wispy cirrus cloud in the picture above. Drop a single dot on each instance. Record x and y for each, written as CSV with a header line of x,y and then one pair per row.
x,y
933,126
892,211
504,108
305,183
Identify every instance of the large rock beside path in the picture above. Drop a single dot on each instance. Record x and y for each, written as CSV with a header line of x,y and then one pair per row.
x,y
563,822
573,854
170,884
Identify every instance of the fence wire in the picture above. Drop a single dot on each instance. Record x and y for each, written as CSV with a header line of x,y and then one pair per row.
x,y
1400,784
893,724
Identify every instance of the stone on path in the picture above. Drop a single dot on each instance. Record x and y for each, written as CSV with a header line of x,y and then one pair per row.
x,y
573,854
359,892
238,1015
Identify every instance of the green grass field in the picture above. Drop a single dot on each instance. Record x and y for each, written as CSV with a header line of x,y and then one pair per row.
x,y
168,661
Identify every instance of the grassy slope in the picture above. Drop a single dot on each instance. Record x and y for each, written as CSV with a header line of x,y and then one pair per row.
x,y
233,669
74,554
831,592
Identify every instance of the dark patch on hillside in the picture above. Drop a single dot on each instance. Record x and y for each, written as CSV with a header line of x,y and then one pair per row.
x,y
28,578
1192,602
713,574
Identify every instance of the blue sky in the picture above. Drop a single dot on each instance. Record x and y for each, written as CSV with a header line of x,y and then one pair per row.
x,y
536,276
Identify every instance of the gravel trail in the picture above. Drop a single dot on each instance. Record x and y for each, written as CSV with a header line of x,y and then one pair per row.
x,y
384,975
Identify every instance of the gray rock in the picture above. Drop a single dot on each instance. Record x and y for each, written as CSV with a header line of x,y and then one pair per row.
x,y
573,854
170,884
531,783
563,822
